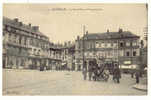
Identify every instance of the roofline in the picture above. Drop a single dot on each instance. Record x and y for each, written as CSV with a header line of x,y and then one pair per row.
x,y
24,29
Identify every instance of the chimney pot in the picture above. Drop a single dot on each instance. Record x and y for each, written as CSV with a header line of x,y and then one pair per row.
x,y
16,19
107,30
120,30
29,24
35,28
20,23
86,32
78,37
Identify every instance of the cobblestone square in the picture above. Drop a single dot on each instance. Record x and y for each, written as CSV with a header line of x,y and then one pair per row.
x,y
33,82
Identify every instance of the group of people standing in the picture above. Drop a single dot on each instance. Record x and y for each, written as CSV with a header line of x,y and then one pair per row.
x,y
97,71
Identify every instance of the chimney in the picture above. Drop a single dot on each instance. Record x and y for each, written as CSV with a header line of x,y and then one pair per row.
x,y
86,32
20,23
65,43
35,28
120,30
29,24
78,37
69,43
16,19
107,30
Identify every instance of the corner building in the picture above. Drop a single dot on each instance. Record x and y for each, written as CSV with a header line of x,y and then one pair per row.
x,y
121,46
24,46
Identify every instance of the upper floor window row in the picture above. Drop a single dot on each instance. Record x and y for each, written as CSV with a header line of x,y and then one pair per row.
x,y
14,30
128,43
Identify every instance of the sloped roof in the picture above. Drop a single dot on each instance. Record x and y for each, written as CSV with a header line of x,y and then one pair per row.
x,y
110,35
25,27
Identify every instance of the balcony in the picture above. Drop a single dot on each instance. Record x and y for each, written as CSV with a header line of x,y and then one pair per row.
x,y
16,44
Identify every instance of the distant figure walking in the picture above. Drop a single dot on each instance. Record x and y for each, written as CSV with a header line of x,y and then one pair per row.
x,y
90,72
137,75
132,73
117,74
84,72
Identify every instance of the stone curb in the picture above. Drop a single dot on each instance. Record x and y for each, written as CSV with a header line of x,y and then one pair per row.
x,y
140,87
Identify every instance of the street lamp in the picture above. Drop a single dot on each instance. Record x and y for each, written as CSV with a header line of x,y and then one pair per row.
x,y
83,46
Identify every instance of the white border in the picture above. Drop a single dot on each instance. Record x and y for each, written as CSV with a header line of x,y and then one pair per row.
x,y
78,97
76,1
1,46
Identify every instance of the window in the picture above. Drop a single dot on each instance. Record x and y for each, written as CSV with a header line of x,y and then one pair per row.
x,y
121,44
128,43
25,41
99,44
134,53
109,54
34,52
38,52
121,52
9,37
134,43
108,44
111,44
115,53
105,44
88,46
127,53
17,39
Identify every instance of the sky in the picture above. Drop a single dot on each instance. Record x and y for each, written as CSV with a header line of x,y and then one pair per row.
x,y
64,22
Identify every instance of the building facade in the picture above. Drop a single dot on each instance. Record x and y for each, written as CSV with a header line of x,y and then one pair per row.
x,y
121,46
24,46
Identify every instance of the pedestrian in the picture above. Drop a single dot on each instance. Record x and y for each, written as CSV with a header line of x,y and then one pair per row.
x,y
41,68
84,72
117,74
95,74
132,73
137,75
90,71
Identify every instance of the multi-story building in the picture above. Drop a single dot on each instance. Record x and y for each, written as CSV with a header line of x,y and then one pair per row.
x,y
71,57
68,57
121,46
24,46
56,56
62,56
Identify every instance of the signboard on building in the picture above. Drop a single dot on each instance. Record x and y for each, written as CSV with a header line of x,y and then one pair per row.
x,y
127,62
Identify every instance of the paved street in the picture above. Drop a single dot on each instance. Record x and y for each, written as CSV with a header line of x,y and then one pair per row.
x,y
33,82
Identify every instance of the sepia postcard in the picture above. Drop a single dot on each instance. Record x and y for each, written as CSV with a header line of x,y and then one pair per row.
x,y
83,49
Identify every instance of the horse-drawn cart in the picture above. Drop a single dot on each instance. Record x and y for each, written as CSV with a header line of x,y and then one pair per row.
x,y
99,70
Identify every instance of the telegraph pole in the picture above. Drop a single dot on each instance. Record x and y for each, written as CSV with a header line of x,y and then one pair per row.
x,y
83,45
118,52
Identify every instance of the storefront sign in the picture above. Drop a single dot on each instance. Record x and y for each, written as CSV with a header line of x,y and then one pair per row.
x,y
127,62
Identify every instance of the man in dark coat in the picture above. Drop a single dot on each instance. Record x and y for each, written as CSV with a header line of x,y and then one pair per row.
x,y
137,75
117,74
132,73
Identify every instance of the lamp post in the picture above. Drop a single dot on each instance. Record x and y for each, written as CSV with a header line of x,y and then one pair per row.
x,y
118,53
83,46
